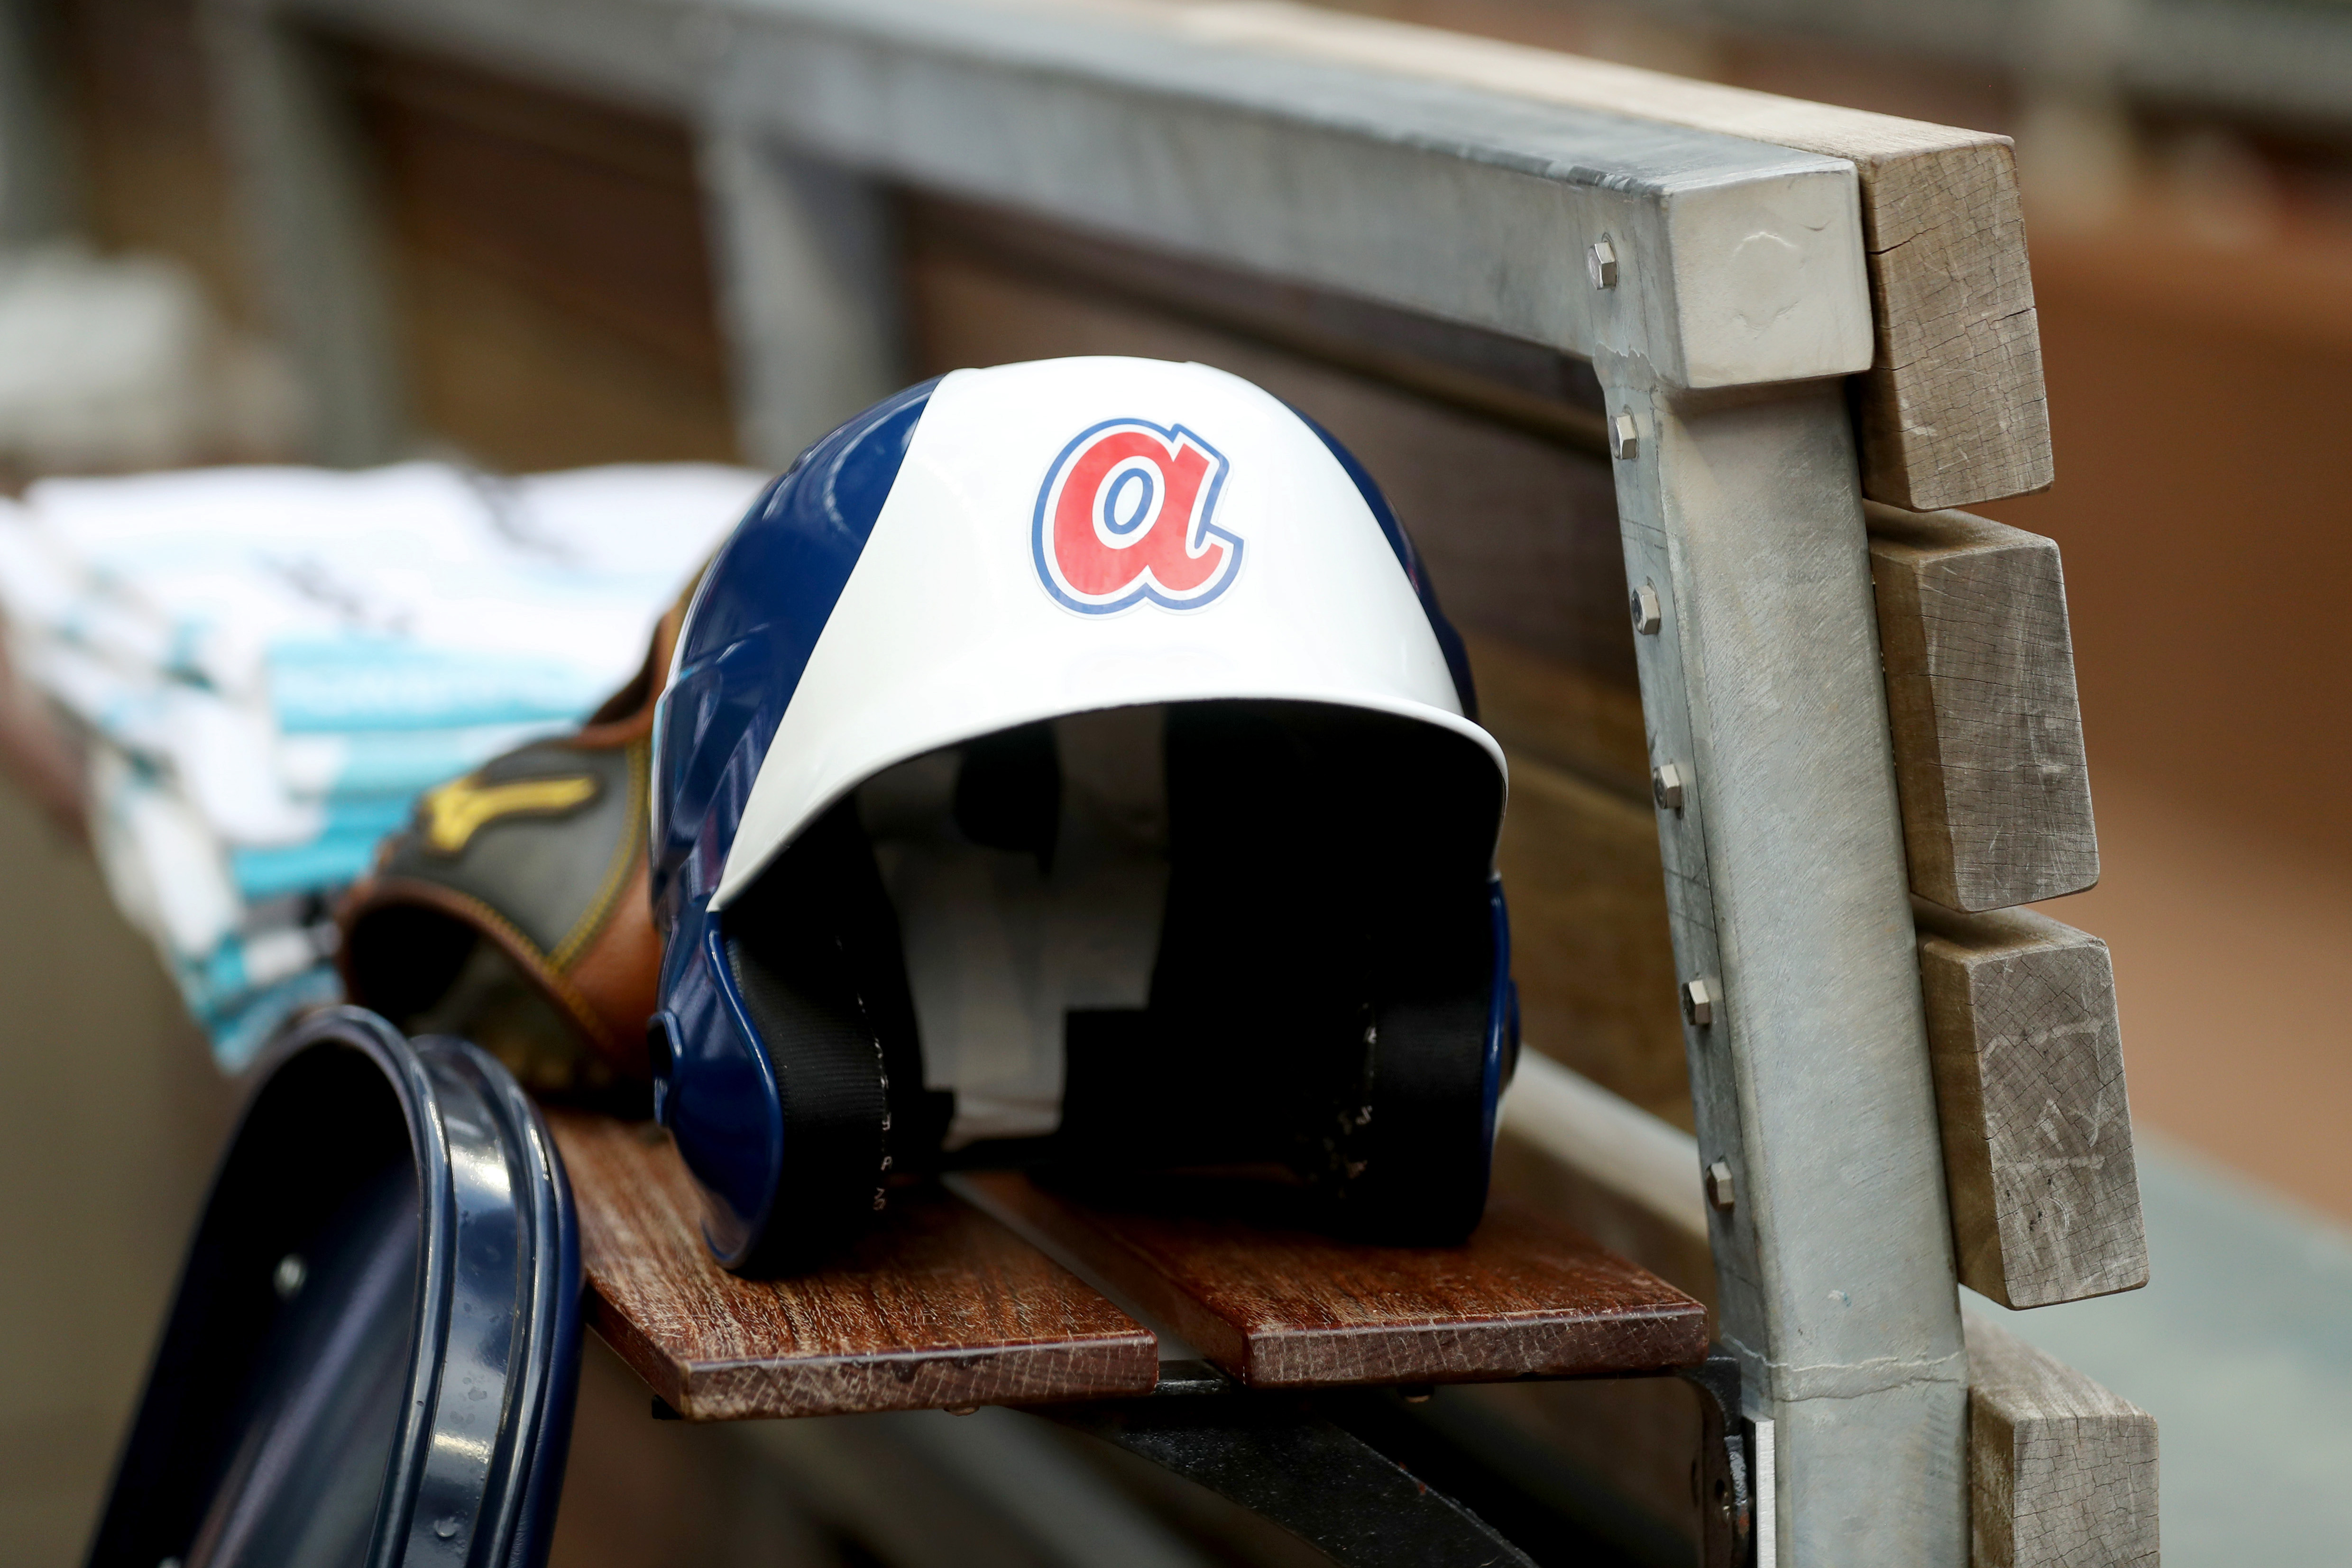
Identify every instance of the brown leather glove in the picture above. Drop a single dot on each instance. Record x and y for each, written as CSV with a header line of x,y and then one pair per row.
x,y
513,909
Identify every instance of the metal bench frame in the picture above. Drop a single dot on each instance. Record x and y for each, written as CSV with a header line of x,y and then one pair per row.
x,y
1729,304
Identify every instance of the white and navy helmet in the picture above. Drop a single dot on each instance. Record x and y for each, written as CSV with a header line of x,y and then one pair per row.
x,y
1069,760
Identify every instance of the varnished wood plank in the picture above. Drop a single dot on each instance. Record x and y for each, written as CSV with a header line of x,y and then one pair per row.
x,y
1280,1305
2062,1474
2028,1055
938,1306
1981,693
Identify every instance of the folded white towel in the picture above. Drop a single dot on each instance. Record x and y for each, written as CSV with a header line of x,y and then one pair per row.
x,y
272,662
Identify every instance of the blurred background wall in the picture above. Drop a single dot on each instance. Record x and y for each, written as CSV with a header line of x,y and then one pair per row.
x,y
2187,176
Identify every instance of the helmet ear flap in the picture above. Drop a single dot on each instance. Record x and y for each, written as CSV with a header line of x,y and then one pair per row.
x,y
1406,1161
813,949
1355,974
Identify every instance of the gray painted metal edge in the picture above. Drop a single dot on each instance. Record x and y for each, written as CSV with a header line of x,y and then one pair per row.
x,y
1786,896
1440,198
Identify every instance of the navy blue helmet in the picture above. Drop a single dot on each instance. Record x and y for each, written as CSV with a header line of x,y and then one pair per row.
x,y
1069,761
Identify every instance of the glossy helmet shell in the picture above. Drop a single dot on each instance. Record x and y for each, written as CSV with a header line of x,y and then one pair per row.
x,y
980,552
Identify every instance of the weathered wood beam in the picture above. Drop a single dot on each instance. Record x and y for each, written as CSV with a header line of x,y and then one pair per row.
x,y
2028,1055
2062,1473
1981,693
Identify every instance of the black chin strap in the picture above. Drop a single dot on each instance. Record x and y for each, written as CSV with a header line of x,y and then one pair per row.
x,y
815,950
1323,984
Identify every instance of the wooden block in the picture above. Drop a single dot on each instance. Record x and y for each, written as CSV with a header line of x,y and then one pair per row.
x,y
2062,1474
1952,410
1981,693
2028,1058
1281,1306
940,1306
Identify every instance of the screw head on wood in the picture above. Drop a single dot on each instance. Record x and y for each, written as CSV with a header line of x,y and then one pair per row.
x,y
1623,440
1600,261
1720,1193
1698,1002
1666,786
1648,615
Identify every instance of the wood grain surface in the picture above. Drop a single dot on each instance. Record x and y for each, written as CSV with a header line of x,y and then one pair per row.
x,y
2062,1474
1280,1305
940,1306
1981,694
2028,1057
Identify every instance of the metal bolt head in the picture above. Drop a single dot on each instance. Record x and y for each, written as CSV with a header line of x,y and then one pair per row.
x,y
1623,439
1600,261
1666,786
1698,1002
1648,614
1720,1193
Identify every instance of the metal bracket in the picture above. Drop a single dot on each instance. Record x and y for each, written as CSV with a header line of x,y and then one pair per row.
x,y
1329,1481
1723,1476
1279,1456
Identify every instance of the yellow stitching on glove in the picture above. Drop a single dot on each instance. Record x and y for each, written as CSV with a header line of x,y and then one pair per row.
x,y
454,811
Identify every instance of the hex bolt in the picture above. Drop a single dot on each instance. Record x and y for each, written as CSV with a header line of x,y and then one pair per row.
x,y
1623,439
1600,261
1648,615
1666,786
1719,1190
1698,1002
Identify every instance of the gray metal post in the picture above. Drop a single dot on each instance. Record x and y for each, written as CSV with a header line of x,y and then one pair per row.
x,y
302,174
37,183
808,284
1749,587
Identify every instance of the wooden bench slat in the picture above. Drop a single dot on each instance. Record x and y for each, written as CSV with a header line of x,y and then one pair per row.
x,y
1981,696
2028,1056
940,1306
2062,1472
1278,1305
